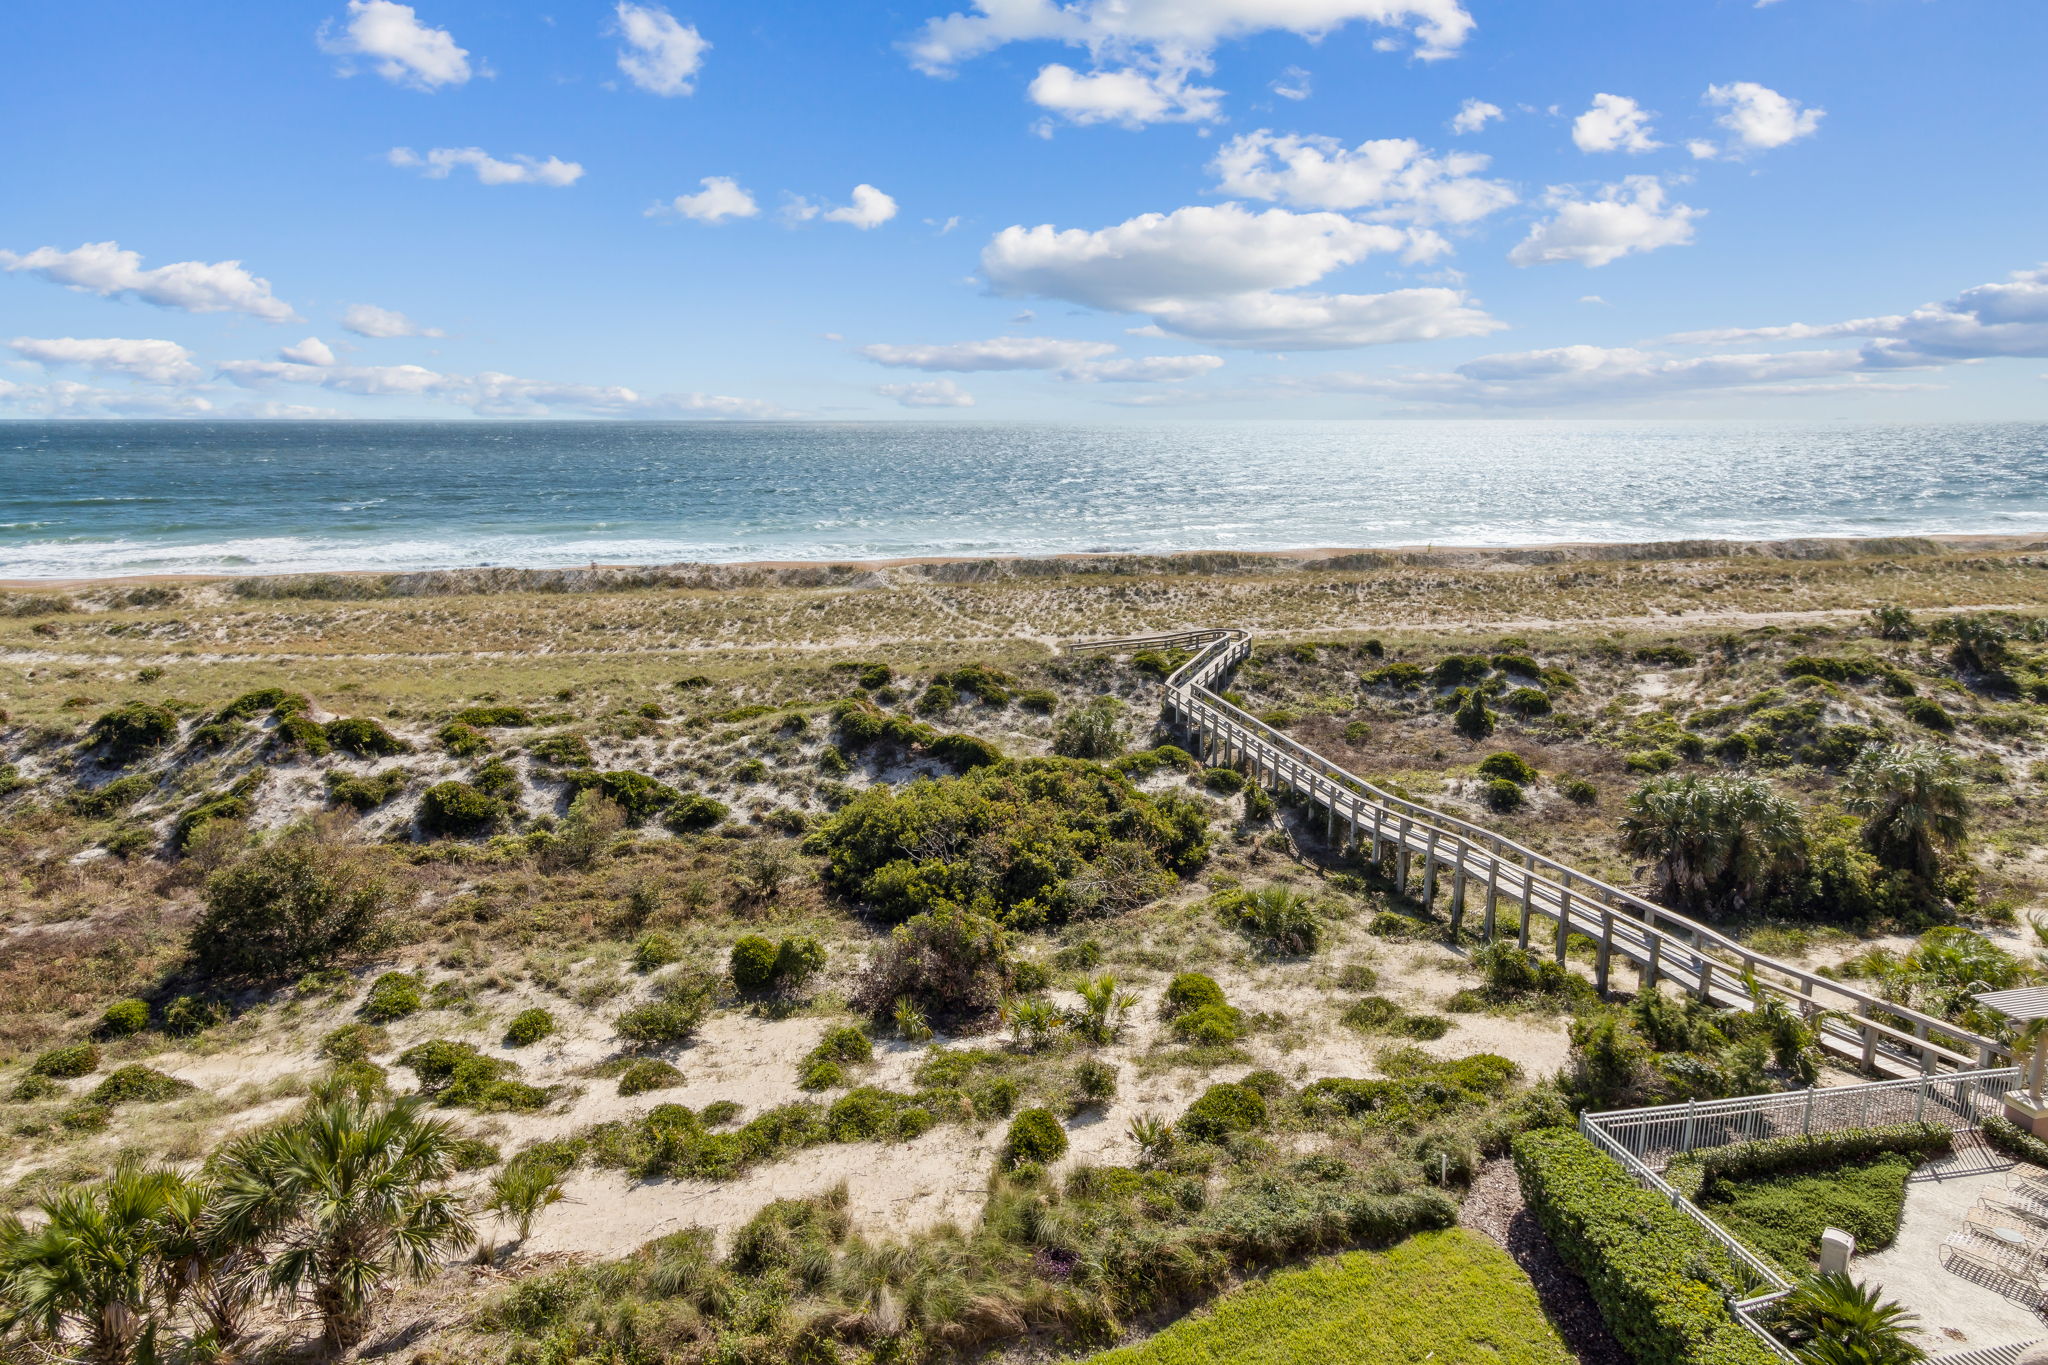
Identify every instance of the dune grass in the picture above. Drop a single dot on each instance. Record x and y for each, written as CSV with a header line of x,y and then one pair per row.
x,y
1449,1298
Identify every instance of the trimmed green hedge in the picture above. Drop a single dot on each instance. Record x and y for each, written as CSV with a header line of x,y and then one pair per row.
x,y
1642,1259
2015,1141
1773,1156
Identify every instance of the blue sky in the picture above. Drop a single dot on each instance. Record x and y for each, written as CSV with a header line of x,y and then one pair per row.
x,y
1023,210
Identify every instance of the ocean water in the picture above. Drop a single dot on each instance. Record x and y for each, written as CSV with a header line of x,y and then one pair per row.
x,y
93,498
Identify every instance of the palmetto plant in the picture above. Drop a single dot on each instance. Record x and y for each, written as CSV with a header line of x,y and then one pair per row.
x,y
1914,803
204,1266
1154,1136
1840,1322
1717,841
1033,1022
85,1274
351,1197
1103,1007
522,1190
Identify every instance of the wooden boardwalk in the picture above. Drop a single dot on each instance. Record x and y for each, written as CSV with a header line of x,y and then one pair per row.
x,y
1505,888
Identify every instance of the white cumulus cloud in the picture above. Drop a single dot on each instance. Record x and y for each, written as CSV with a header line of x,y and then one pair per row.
x,y
661,56
1145,54
870,208
1294,84
69,398
1473,115
156,361
1214,273
103,268
720,199
311,351
1757,118
1130,96
368,320
997,353
1624,219
439,162
398,46
1393,177
928,393
1614,123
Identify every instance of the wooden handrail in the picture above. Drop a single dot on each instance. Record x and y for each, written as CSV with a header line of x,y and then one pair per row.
x,y
1615,918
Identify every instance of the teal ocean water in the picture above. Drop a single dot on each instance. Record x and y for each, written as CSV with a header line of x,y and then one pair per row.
x,y
89,498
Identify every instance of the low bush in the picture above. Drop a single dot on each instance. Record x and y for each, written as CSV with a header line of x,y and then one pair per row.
x,y
1223,781
1210,1026
126,733
648,1073
680,1005
190,1014
1094,1083
965,751
353,1043
1095,729
1783,1216
1190,991
1819,1151
363,737
759,965
566,751
125,1017
1222,1110
137,1084
950,964
298,737
509,717
1931,714
1036,1138
276,700
462,739
457,808
1654,1274
1502,796
294,903
66,1063
364,792
106,801
692,812
1578,791
1508,765
393,995
456,1074
529,1026
2015,1141
186,827
1527,701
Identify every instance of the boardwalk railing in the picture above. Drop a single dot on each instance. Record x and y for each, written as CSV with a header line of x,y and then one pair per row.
x,y
1426,849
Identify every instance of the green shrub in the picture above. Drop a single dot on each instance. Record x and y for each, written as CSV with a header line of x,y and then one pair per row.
x,y
1035,1138
32,1087
947,964
1224,781
1190,991
638,795
797,960
1454,670
656,949
679,1006
1221,1111
1471,718
137,1084
509,717
1038,699
1210,1025
462,739
1671,656
300,736
692,812
1651,1270
965,751
845,1044
500,781
103,802
1095,729
1094,1082
128,732
457,808
363,737
456,1074
353,1043
125,1017
367,792
1372,1014
2015,1141
1820,1151
66,1063
392,996
753,963
1502,796
188,824
294,903
529,1026
648,1073
1403,677
1783,1216
820,1073
190,1014
1509,766
1931,714
567,751
1578,791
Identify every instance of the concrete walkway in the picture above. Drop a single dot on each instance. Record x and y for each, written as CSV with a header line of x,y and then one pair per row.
x,y
1955,1314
